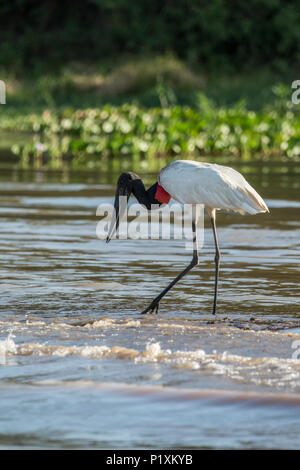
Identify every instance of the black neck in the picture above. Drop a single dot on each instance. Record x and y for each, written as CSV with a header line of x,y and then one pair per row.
x,y
145,197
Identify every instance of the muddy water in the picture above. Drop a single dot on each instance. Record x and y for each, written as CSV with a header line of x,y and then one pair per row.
x,y
81,368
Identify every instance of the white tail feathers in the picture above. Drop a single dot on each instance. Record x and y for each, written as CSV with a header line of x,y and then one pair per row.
x,y
256,202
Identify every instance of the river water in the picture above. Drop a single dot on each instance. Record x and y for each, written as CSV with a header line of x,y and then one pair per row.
x,y
80,367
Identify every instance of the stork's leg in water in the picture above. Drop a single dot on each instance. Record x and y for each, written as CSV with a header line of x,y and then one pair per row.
x,y
155,303
217,259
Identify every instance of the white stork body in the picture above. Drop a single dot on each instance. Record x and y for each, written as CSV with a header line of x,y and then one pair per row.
x,y
215,186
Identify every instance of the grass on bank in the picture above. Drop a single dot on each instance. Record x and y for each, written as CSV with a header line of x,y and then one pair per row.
x,y
150,82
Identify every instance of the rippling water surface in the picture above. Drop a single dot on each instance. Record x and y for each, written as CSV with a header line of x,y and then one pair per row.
x,y
81,368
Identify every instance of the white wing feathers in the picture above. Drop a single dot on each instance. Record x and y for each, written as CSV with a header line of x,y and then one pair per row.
x,y
215,186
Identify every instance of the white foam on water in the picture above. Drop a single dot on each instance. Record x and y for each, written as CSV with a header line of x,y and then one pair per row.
x,y
133,324
276,372
7,348
103,323
108,322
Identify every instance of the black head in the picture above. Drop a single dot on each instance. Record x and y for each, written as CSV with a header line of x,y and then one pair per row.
x,y
128,183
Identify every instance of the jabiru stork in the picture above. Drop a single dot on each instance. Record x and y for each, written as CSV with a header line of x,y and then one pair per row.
x,y
215,186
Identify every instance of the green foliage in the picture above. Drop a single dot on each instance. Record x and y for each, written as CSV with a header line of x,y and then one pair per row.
x,y
153,135
226,33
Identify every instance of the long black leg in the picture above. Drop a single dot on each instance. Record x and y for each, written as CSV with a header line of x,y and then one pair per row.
x,y
217,260
155,303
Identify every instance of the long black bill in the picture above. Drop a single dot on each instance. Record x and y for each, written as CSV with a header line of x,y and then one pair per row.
x,y
123,191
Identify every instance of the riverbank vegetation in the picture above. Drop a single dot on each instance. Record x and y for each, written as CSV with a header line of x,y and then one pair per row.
x,y
150,112
147,82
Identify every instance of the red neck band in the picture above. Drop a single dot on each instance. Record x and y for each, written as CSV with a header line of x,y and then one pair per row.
x,y
161,195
